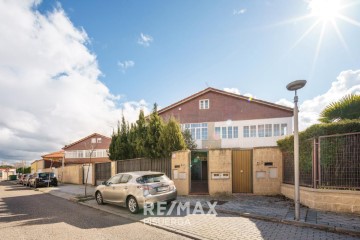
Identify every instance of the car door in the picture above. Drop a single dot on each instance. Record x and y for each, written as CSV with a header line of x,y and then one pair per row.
x,y
110,185
117,192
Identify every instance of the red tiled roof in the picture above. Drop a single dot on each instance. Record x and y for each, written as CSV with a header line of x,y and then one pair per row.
x,y
58,154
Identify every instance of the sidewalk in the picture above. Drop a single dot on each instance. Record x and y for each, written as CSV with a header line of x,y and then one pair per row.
x,y
272,209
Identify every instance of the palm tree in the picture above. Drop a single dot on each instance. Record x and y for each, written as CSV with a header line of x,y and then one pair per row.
x,y
346,108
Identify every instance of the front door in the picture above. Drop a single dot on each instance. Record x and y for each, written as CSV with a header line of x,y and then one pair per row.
x,y
199,173
242,171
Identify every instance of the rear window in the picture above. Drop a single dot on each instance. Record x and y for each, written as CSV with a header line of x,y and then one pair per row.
x,y
152,178
45,175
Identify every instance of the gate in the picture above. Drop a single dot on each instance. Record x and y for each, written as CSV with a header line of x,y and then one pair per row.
x,y
87,168
242,171
145,164
102,172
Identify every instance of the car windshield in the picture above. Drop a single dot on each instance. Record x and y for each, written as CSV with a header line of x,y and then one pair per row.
x,y
152,178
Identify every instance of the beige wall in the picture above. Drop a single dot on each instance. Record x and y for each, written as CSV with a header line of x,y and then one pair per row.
x,y
220,161
180,162
264,182
73,174
37,165
326,199
113,168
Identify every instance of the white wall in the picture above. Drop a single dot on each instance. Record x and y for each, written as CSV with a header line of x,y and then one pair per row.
x,y
251,142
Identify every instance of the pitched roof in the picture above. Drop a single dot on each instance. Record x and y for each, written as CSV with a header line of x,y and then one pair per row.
x,y
58,154
92,135
210,89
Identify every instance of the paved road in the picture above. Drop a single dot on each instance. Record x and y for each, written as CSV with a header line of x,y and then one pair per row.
x,y
29,214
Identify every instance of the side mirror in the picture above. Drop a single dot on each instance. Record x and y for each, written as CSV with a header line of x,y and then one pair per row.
x,y
103,183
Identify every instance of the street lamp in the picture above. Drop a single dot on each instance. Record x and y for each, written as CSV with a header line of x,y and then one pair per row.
x,y
294,86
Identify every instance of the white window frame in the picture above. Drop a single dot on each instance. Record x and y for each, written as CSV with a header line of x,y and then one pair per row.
x,y
202,104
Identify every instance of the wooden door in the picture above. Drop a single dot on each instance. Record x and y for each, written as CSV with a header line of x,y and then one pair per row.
x,y
242,171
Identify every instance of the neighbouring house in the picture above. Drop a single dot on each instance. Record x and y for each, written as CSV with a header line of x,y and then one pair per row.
x,y
236,139
39,165
54,156
219,119
94,145
6,172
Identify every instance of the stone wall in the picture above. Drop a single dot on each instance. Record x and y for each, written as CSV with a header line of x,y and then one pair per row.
x,y
267,171
344,201
220,161
180,168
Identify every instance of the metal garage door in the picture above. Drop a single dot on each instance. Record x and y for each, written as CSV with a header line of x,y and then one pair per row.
x,y
242,171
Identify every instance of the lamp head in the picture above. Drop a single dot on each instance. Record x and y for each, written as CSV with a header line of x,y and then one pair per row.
x,y
296,85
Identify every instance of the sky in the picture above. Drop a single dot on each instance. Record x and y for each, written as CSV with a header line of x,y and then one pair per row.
x,y
71,68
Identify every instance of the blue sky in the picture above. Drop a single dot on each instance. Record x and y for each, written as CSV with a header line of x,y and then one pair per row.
x,y
200,43
71,68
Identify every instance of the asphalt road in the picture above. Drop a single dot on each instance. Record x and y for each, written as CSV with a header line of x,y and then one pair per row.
x,y
29,214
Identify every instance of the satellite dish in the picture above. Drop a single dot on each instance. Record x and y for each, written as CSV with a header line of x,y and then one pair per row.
x,y
296,85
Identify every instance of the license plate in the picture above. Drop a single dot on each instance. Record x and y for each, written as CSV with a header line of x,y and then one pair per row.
x,y
162,189
47,181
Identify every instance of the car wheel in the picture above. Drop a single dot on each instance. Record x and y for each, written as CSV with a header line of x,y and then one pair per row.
x,y
132,205
99,198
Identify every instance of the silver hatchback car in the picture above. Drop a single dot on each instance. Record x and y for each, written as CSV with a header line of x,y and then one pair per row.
x,y
136,190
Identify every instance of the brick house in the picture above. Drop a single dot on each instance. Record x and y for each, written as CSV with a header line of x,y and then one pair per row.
x,y
219,119
79,152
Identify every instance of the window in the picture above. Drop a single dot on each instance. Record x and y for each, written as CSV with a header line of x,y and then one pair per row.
x,y
276,130
223,131
217,132
261,130
204,133
230,129
93,140
125,178
268,130
253,131
198,130
236,132
114,180
98,140
204,104
198,134
246,131
283,129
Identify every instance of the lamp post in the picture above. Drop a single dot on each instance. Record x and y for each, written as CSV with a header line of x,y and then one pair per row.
x,y
294,86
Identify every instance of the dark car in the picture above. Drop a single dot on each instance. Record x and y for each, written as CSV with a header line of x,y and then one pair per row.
x,y
43,180
25,180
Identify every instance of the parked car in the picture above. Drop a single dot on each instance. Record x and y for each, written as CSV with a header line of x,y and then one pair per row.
x,y
20,179
25,180
43,180
136,190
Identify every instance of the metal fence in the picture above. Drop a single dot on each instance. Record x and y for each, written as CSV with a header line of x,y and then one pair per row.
x,y
339,161
326,162
145,164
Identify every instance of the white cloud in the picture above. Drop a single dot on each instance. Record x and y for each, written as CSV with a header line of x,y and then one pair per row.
x,y
239,11
50,93
285,103
232,90
125,65
347,82
145,40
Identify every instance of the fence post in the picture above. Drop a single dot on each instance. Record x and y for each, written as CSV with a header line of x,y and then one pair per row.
x,y
314,163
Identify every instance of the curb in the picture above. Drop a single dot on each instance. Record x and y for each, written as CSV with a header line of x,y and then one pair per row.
x,y
175,231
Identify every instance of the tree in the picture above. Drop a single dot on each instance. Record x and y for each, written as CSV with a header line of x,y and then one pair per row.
x,y
346,108
141,135
171,138
23,170
154,128
189,141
